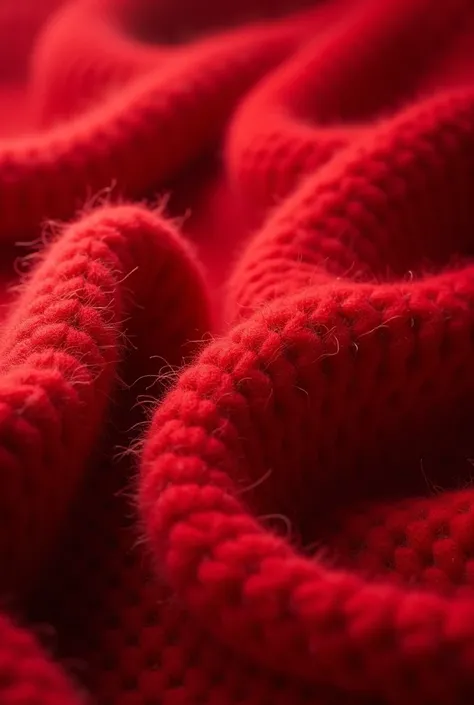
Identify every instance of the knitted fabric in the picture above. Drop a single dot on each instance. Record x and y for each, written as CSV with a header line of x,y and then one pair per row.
x,y
236,386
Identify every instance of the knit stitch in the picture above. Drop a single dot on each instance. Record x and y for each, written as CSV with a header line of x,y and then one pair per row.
x,y
235,357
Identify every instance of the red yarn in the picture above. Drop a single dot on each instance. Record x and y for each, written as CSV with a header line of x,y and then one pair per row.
x,y
246,482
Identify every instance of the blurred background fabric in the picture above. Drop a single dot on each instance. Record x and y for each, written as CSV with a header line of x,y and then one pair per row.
x,y
236,345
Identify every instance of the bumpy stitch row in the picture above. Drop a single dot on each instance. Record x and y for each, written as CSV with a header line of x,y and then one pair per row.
x,y
299,530
59,357
247,585
281,390
369,213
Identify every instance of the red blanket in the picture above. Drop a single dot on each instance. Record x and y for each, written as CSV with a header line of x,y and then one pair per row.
x,y
236,352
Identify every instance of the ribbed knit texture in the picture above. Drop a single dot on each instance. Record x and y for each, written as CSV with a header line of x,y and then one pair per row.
x,y
236,352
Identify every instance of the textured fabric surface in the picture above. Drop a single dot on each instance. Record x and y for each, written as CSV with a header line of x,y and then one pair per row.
x,y
236,348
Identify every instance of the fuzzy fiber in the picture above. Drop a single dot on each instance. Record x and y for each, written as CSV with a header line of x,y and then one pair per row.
x,y
236,338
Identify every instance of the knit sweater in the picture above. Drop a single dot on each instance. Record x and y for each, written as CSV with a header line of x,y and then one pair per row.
x,y
236,393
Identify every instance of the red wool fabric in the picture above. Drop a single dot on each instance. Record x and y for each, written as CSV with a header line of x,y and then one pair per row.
x,y
236,352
